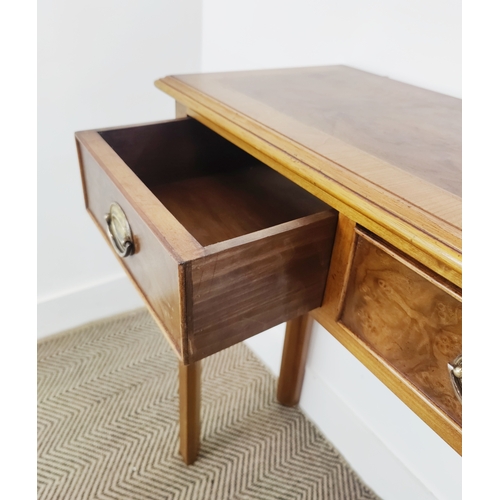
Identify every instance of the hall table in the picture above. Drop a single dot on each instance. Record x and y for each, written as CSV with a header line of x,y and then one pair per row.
x,y
294,195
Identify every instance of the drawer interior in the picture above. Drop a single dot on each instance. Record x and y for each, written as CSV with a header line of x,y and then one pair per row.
x,y
214,189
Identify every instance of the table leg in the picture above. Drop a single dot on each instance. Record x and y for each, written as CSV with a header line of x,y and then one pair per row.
x,y
293,361
189,410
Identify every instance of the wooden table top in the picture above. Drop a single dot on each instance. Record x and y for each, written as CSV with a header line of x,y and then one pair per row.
x,y
384,153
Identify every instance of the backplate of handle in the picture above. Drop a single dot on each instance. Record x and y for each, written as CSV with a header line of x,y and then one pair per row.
x,y
119,231
455,370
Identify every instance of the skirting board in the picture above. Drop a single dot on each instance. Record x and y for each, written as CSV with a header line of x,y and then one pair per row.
x,y
77,307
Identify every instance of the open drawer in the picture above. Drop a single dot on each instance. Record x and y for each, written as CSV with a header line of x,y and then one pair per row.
x,y
220,246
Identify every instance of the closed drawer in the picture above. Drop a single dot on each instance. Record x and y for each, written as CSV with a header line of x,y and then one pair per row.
x,y
224,247
410,317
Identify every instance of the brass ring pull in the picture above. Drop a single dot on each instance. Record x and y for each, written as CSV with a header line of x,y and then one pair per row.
x,y
119,231
455,370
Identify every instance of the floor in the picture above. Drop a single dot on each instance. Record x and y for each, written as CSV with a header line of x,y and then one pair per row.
x,y
108,424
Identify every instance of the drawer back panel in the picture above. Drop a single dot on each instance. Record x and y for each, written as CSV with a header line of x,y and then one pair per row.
x,y
175,150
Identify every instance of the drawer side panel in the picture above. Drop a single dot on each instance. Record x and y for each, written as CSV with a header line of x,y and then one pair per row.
x,y
153,270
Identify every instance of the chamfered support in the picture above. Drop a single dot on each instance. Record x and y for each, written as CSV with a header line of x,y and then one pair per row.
x,y
293,361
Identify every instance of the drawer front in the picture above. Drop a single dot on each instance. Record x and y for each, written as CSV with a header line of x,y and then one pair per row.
x,y
225,247
153,270
407,316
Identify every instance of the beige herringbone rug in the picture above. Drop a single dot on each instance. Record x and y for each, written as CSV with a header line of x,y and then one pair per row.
x,y
108,425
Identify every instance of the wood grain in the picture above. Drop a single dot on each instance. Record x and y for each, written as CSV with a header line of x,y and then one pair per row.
x,y
432,253
329,313
413,324
293,360
154,271
189,411
425,408
226,205
241,290
340,266
410,210
414,129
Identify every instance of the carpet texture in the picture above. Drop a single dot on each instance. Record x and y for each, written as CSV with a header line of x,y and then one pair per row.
x,y
108,425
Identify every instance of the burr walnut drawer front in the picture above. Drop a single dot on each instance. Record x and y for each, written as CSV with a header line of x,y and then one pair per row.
x,y
220,246
409,317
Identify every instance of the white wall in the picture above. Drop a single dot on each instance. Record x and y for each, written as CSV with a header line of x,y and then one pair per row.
x,y
418,42
97,63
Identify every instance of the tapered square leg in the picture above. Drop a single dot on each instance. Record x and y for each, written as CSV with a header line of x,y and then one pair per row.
x,y
293,360
189,410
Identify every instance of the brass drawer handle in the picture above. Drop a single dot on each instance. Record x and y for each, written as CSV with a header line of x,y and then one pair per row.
x,y
119,231
455,370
